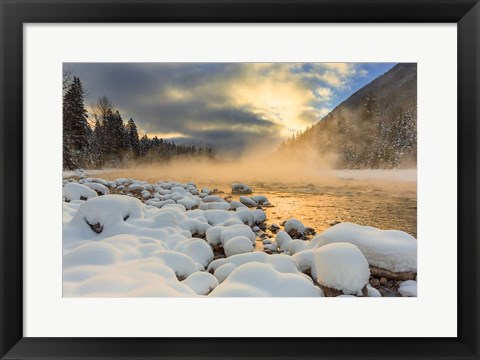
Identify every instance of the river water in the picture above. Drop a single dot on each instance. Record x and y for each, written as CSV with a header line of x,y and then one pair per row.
x,y
383,199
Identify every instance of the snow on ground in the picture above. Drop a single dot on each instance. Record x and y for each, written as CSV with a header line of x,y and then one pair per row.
x,y
130,238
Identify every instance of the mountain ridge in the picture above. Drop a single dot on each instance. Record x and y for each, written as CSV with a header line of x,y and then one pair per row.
x,y
375,127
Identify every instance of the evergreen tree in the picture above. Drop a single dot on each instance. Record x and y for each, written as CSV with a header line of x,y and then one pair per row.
x,y
76,130
133,137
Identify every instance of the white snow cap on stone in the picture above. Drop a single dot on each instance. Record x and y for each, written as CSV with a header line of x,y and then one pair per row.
x,y
294,225
245,200
201,282
256,279
372,292
99,188
74,191
109,210
282,239
237,245
241,188
342,266
388,249
408,288
260,199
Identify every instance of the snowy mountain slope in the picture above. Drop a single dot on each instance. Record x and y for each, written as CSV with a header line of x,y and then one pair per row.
x,y
376,127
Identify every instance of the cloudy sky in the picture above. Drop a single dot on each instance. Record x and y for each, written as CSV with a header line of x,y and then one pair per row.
x,y
230,106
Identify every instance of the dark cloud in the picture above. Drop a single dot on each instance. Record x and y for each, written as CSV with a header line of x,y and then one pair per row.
x,y
196,100
141,91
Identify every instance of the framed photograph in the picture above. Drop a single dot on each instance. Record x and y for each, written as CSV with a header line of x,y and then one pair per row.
x,y
212,179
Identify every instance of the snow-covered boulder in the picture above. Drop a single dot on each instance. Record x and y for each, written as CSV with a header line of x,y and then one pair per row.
x,y
188,202
372,292
245,215
197,249
393,250
237,245
262,280
239,188
260,199
197,226
214,206
201,282
259,216
343,267
98,188
74,191
408,288
213,199
108,211
146,194
136,278
294,228
230,232
181,264
234,205
282,239
305,262
222,272
136,187
279,262
92,253
296,246
245,200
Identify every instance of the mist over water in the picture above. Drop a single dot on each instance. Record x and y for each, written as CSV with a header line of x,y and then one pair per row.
x,y
312,192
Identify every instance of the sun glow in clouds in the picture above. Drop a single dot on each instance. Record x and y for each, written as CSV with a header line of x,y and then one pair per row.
x,y
224,105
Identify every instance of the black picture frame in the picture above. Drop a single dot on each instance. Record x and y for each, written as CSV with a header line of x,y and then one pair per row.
x,y
14,13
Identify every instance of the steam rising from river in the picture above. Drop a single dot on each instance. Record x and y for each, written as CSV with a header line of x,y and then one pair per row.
x,y
254,169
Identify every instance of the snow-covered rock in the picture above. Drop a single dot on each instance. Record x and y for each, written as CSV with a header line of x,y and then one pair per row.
x,y
408,288
279,262
188,202
245,200
136,187
372,292
259,216
108,211
256,279
74,191
119,246
388,249
197,249
237,245
260,199
234,205
136,278
214,206
343,267
230,232
201,282
239,188
98,188
213,199
294,227
282,239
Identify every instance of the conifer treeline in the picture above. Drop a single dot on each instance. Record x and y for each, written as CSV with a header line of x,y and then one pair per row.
x,y
109,141
364,137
